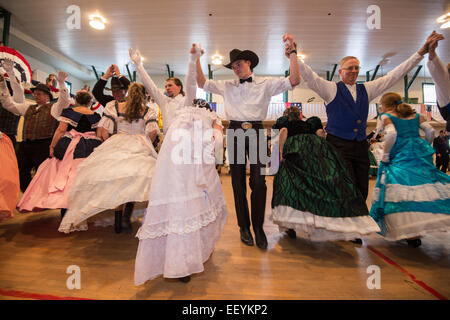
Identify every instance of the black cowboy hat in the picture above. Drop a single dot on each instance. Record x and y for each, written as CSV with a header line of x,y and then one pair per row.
x,y
44,88
237,54
116,84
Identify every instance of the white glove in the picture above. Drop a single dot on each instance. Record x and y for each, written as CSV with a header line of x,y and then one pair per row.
x,y
135,56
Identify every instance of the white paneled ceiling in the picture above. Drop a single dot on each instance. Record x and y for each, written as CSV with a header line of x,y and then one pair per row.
x,y
163,30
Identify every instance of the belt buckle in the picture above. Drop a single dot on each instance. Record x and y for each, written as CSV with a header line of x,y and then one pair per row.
x,y
246,125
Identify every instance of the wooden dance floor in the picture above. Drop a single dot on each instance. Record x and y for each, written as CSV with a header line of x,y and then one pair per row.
x,y
34,258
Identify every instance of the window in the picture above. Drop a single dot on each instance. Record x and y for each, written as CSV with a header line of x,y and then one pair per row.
x,y
69,86
277,99
201,94
429,93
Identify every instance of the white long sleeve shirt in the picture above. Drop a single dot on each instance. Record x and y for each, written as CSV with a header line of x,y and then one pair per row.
x,y
327,90
441,79
248,101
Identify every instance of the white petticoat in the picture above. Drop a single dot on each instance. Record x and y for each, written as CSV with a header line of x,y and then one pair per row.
x,y
319,228
405,225
120,170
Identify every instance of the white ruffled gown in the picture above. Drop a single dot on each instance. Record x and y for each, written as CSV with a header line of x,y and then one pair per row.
x,y
187,210
120,170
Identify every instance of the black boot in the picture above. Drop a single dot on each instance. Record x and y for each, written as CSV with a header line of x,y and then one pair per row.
x,y
126,222
63,212
291,233
415,243
260,237
185,279
118,222
246,236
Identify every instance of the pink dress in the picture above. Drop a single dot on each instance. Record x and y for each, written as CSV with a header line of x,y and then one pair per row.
x,y
9,178
50,187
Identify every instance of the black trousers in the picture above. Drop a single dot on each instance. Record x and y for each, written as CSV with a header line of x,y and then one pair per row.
x,y
30,155
239,182
356,156
442,162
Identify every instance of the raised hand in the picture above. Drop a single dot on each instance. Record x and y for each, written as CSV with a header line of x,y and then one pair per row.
x,y
196,51
116,70
135,56
110,72
8,65
61,77
434,36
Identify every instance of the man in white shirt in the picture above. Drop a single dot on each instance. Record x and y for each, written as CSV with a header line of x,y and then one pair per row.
x,y
246,101
347,105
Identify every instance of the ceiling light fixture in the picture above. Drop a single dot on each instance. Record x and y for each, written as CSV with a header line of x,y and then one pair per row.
x,y
216,59
96,21
301,56
445,20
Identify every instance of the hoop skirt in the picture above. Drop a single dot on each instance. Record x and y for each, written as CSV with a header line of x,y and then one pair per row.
x,y
120,170
9,178
313,194
411,196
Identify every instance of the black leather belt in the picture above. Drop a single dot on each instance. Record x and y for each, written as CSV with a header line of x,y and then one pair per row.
x,y
245,124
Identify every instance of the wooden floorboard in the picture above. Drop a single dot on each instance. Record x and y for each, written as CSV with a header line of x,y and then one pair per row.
x,y
34,257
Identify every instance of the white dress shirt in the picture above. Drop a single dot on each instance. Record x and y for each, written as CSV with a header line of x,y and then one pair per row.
x,y
441,79
248,101
327,90
20,109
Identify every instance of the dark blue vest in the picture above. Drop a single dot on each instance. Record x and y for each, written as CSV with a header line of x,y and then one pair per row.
x,y
347,119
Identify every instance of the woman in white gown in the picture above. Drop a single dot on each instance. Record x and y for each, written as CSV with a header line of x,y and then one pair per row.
x,y
187,210
121,168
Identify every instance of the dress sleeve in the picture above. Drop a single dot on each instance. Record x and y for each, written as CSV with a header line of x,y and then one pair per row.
x,y
109,118
151,120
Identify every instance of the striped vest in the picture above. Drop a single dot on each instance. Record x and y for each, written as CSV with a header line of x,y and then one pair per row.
x,y
39,124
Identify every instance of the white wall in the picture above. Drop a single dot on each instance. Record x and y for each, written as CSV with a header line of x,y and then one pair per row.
x,y
43,70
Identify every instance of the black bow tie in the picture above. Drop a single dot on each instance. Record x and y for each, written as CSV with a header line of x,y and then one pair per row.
x,y
245,80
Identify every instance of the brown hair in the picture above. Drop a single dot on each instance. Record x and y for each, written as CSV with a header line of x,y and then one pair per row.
x,y
135,102
293,113
178,83
393,102
83,98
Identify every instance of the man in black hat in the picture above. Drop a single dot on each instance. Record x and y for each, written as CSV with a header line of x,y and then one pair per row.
x,y
119,86
40,122
246,101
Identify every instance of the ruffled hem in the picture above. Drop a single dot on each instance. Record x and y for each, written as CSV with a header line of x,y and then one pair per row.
x,y
177,255
183,225
319,228
419,193
406,225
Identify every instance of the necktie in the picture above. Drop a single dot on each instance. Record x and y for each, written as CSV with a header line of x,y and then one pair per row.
x,y
245,80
